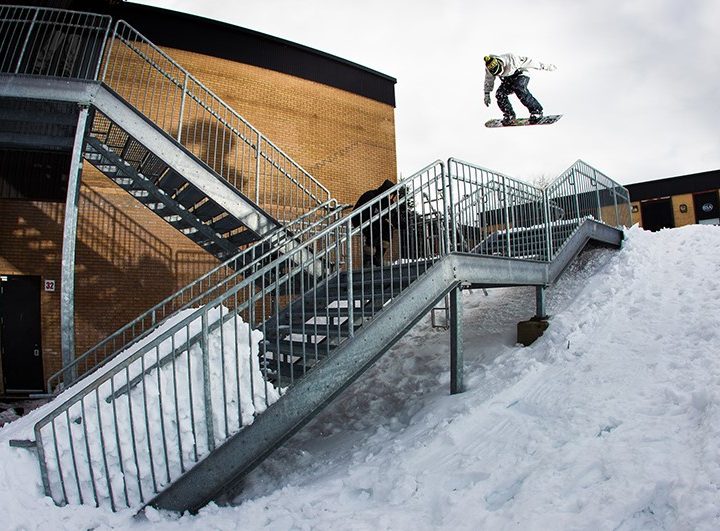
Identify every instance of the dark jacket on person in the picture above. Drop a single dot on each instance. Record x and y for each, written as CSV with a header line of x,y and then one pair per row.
x,y
380,228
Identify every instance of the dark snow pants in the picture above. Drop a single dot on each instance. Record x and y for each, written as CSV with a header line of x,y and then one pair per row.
x,y
516,84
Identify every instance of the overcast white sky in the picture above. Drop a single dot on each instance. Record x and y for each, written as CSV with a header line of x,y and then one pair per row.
x,y
638,81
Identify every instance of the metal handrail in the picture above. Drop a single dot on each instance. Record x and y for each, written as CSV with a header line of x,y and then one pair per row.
x,y
186,109
52,42
184,391
194,293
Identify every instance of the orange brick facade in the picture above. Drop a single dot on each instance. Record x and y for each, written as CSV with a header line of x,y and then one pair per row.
x,y
128,259
346,141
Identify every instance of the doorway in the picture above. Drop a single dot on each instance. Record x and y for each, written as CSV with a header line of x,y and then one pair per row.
x,y
20,345
657,214
707,208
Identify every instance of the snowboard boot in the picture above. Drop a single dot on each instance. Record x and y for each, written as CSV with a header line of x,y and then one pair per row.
x,y
535,117
508,119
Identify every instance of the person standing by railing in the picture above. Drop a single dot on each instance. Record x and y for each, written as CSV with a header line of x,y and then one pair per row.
x,y
377,227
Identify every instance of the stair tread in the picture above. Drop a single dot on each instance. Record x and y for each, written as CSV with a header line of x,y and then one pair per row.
x,y
226,224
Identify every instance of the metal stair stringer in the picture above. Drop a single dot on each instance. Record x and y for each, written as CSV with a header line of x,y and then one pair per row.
x,y
223,468
229,462
165,148
149,135
195,172
176,157
589,230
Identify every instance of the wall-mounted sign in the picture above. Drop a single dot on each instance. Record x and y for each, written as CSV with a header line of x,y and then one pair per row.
x,y
707,207
683,208
49,285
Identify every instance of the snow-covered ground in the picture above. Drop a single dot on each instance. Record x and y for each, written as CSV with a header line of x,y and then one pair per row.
x,y
611,420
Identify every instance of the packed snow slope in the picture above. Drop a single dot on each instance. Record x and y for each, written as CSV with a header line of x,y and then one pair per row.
x,y
611,420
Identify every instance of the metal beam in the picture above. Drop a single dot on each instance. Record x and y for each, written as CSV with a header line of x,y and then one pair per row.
x,y
246,449
67,282
540,302
589,230
456,341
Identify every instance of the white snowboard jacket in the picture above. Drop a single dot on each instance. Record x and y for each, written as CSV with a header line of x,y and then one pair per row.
x,y
511,64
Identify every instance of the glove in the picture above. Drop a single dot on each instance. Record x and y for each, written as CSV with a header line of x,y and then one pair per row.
x,y
549,67
487,99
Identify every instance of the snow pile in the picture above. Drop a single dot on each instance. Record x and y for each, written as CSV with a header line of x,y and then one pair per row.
x,y
131,435
611,420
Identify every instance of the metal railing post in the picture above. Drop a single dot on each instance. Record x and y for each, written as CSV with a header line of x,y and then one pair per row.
x,y
110,51
25,42
350,294
575,194
257,168
449,211
617,212
102,52
548,225
182,108
597,194
207,391
507,217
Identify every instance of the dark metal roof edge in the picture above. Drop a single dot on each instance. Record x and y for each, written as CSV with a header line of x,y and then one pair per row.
x,y
346,75
669,186
271,38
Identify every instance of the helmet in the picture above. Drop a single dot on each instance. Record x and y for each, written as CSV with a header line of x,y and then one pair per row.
x,y
493,64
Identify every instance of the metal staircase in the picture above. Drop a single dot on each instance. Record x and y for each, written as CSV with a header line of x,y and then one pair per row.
x,y
165,191
201,291
178,420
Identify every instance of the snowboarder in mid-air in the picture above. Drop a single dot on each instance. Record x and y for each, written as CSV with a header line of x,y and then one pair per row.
x,y
511,70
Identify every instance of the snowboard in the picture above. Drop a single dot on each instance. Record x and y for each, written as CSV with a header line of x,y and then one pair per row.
x,y
545,120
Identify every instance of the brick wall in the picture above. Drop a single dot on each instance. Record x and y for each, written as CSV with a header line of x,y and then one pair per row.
x,y
127,260
345,141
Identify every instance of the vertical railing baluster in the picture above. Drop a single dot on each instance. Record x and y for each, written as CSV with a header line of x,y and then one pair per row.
x,y
207,390
27,39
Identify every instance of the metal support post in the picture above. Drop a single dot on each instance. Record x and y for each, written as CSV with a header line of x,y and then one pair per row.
x,y
67,278
207,391
456,342
257,169
540,302
599,202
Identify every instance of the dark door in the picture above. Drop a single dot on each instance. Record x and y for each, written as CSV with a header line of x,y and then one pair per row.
x,y
20,333
657,215
707,209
